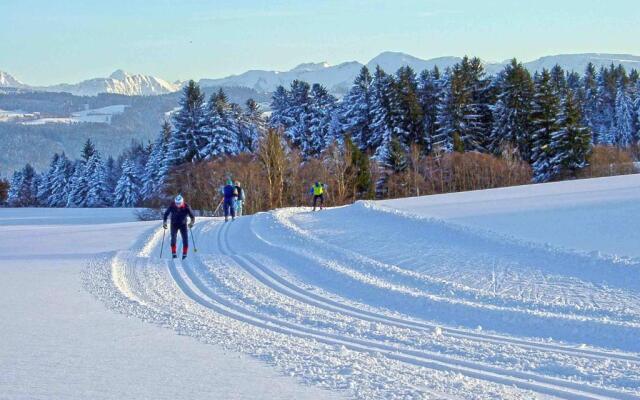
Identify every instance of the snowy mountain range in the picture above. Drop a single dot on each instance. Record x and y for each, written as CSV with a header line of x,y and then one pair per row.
x,y
119,82
337,78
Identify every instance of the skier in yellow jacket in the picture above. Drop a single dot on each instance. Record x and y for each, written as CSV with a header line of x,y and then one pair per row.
x,y
317,190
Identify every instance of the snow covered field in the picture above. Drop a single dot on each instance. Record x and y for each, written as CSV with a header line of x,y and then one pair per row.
x,y
58,342
518,293
97,115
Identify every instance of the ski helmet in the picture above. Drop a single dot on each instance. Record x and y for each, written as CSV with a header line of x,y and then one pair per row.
x,y
179,200
229,181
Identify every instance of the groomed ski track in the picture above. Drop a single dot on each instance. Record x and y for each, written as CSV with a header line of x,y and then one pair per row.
x,y
319,309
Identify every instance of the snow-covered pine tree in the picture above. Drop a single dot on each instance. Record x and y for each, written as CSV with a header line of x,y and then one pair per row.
x,y
322,106
621,75
127,192
138,154
407,113
634,80
44,188
381,128
113,173
23,189
14,189
465,109
428,95
98,194
608,135
188,136
236,115
35,185
637,109
589,99
512,112
574,82
605,110
356,110
335,133
251,126
477,112
59,181
396,159
299,112
559,80
447,117
571,143
392,156
545,113
153,178
78,185
280,105
624,118
221,128
88,150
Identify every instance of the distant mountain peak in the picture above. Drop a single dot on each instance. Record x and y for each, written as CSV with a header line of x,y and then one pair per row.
x,y
391,61
393,54
308,67
119,75
119,82
6,80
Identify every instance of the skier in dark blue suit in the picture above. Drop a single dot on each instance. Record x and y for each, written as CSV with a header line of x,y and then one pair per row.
x,y
230,195
179,211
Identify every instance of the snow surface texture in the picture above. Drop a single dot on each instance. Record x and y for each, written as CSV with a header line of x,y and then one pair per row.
x,y
59,342
394,300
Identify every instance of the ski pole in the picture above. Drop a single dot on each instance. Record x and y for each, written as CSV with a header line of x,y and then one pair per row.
x,y
217,208
164,232
193,238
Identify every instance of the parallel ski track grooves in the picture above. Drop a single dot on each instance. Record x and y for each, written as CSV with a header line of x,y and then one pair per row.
x,y
523,380
292,290
223,307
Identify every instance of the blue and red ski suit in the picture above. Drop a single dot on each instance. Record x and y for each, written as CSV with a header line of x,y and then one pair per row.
x,y
179,216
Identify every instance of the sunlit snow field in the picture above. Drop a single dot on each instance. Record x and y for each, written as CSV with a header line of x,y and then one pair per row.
x,y
525,292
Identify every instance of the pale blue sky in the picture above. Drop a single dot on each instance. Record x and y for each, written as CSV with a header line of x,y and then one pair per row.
x,y
53,41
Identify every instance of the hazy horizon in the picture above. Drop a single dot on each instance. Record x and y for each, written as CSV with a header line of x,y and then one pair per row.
x,y
192,39
110,71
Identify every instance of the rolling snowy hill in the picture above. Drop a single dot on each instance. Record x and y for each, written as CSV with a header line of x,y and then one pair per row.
x,y
528,292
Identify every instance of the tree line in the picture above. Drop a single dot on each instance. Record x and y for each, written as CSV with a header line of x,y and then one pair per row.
x,y
391,135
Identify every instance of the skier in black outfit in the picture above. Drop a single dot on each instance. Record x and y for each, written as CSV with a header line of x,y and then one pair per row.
x,y
179,211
